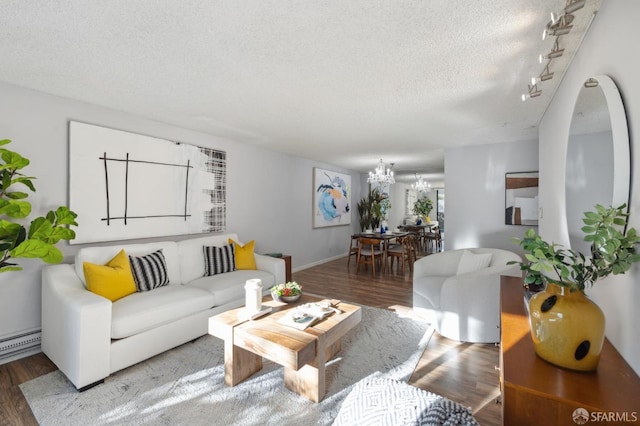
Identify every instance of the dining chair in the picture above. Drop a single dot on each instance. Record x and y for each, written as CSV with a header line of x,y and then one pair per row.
x,y
353,249
412,250
400,252
370,251
434,238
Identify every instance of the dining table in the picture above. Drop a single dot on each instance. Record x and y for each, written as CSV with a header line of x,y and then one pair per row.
x,y
384,237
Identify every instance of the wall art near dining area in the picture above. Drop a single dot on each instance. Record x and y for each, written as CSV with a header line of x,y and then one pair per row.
x,y
331,198
521,198
125,185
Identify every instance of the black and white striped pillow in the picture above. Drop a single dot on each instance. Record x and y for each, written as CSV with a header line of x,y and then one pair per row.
x,y
149,271
218,260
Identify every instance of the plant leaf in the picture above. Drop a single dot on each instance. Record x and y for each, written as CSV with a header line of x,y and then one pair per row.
x,y
64,216
15,209
9,268
36,249
13,160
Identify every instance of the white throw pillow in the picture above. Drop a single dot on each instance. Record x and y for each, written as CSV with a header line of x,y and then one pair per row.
x,y
470,262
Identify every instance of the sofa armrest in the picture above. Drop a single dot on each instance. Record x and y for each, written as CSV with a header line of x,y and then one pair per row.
x,y
76,326
273,265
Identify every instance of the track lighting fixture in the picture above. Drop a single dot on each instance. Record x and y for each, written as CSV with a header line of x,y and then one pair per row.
x,y
573,5
556,27
533,92
555,52
561,26
591,82
544,76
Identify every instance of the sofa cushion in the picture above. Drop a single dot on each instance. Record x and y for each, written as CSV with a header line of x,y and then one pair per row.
x,y
101,255
149,271
471,262
190,254
113,280
245,259
230,286
139,312
218,260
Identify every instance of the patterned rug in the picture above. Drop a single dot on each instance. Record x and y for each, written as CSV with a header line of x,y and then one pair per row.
x,y
185,386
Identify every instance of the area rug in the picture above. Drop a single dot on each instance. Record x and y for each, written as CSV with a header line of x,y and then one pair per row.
x,y
185,386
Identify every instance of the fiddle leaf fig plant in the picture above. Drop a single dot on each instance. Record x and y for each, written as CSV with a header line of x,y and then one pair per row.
x,y
613,251
16,241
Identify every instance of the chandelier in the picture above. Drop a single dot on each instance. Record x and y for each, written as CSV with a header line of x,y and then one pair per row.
x,y
381,175
421,185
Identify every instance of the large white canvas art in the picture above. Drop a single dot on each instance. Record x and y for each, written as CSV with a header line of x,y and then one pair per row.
x,y
124,185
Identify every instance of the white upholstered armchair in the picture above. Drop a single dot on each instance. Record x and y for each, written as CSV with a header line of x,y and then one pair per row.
x,y
458,292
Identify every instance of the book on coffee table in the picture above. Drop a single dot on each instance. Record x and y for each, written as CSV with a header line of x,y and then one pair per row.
x,y
307,315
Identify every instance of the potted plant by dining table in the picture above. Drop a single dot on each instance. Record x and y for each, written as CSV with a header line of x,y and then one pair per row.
x,y
567,327
422,207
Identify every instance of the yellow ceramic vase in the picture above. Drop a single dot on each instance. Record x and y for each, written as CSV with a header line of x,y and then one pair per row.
x,y
567,328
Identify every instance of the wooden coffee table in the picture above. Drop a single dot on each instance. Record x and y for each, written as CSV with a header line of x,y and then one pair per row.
x,y
303,354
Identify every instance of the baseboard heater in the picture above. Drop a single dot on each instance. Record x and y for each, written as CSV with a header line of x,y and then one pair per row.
x,y
13,346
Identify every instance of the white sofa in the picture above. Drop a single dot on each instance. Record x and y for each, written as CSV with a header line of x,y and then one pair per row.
x,y
89,337
465,306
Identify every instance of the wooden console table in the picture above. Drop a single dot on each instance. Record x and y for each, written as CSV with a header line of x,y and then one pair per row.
x,y
535,392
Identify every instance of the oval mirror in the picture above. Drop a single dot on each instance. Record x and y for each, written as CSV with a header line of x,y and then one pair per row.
x,y
598,163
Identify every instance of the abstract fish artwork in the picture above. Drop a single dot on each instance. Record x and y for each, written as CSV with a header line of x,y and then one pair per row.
x,y
332,198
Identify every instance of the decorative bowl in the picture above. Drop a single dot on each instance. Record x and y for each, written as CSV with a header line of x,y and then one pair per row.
x,y
286,299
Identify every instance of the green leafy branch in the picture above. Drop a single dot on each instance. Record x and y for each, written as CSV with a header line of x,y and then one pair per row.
x,y
613,251
16,241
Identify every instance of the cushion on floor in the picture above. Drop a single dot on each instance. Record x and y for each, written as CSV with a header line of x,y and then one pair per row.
x,y
381,401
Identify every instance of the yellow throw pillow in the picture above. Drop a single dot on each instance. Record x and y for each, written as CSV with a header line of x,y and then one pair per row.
x,y
113,280
245,258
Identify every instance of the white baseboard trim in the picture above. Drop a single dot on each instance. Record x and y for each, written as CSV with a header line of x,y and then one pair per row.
x,y
20,345
319,262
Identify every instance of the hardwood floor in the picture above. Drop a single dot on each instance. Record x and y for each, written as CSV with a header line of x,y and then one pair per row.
x,y
463,372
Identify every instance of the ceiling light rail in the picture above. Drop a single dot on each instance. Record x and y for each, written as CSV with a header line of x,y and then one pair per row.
x,y
556,27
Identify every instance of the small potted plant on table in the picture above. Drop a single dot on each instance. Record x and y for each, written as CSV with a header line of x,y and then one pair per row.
x,y
287,292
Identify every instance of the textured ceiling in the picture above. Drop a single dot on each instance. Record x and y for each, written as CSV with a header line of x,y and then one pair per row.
x,y
341,82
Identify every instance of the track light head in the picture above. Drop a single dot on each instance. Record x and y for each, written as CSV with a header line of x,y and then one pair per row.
x,y
559,27
591,82
534,92
573,5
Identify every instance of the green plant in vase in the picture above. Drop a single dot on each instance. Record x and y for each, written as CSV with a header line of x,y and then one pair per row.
x,y
422,207
39,239
613,251
371,209
568,328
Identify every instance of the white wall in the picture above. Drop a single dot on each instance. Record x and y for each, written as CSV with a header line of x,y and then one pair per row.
x,y
605,50
269,195
475,185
